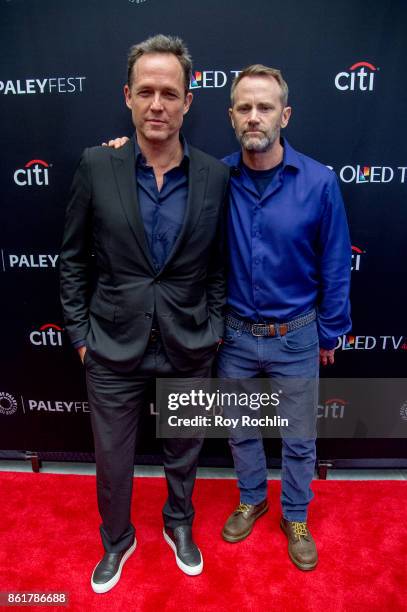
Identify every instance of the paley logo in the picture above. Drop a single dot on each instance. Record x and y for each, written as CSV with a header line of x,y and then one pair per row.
x,y
359,78
332,408
357,254
209,79
35,172
56,406
370,343
48,334
49,85
30,260
8,403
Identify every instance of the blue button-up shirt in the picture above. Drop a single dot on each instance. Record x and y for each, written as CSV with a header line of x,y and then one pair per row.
x,y
162,211
289,249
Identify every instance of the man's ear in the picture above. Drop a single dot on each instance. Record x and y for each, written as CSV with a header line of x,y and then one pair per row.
x,y
285,116
231,117
127,95
188,101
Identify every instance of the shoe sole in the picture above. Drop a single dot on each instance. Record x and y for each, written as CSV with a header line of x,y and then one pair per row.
x,y
106,586
234,539
187,569
305,567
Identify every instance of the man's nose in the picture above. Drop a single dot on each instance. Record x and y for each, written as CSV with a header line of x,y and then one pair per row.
x,y
253,117
156,104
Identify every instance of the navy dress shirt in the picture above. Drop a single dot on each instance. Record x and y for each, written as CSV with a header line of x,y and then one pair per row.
x,y
162,211
289,249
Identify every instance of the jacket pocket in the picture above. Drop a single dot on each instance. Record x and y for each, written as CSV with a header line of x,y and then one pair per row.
x,y
104,310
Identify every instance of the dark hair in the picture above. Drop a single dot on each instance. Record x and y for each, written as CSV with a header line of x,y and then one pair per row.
x,y
161,44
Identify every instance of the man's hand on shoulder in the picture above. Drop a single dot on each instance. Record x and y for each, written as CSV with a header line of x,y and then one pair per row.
x,y
326,356
116,143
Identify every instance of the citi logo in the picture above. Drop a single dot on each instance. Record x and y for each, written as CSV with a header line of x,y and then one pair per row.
x,y
35,172
209,79
359,78
333,408
49,334
357,254
8,403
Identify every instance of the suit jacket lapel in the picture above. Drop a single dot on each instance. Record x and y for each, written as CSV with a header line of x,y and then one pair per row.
x,y
197,178
124,168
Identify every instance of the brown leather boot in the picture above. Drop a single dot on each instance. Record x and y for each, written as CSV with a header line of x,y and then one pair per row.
x,y
240,523
301,546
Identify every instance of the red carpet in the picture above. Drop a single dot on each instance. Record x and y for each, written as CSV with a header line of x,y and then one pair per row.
x,y
49,542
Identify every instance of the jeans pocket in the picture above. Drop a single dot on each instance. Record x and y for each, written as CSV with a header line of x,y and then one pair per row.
x,y
230,335
301,339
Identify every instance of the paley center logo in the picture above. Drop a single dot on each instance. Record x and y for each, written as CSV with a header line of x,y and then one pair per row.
x,y
48,334
359,77
33,405
35,172
48,85
370,343
8,403
210,79
24,261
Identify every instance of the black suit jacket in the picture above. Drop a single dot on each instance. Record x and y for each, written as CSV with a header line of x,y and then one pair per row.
x,y
114,314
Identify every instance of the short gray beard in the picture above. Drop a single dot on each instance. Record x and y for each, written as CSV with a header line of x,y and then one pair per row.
x,y
259,145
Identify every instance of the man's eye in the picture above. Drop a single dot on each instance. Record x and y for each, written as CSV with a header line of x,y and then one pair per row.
x,y
144,93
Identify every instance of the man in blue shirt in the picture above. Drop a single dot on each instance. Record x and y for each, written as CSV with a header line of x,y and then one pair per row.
x,y
288,295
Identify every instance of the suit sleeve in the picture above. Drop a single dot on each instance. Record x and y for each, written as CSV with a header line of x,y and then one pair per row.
x,y
76,253
335,268
216,277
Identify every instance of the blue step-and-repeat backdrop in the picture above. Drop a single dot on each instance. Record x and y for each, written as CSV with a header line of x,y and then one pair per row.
x,y
63,66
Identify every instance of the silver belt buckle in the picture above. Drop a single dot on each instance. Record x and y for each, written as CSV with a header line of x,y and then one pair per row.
x,y
257,325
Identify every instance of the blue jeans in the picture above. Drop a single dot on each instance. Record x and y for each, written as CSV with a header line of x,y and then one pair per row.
x,y
296,355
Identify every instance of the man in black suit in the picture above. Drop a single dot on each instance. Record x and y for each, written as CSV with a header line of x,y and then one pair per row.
x,y
151,212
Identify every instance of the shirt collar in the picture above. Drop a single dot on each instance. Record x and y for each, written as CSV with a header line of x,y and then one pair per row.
x,y
290,157
141,160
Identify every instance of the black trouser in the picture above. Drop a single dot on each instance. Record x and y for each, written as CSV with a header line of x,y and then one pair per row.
x,y
115,402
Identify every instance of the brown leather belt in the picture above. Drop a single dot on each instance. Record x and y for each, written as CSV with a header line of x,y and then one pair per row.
x,y
269,329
